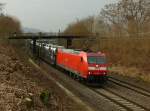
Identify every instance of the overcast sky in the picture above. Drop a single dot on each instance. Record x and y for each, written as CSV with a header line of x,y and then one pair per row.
x,y
52,15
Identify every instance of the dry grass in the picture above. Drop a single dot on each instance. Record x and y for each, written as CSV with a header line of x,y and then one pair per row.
x,y
128,52
131,72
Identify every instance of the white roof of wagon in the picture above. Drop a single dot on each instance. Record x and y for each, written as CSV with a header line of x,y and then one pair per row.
x,y
71,51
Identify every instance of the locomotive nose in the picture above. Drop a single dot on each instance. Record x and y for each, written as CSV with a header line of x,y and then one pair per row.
x,y
97,69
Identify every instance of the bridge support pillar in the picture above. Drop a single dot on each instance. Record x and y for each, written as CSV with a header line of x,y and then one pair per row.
x,y
34,46
69,42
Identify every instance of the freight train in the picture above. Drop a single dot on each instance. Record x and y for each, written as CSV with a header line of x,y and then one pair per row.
x,y
86,66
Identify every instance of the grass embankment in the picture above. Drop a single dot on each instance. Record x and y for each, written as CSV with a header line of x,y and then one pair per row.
x,y
129,56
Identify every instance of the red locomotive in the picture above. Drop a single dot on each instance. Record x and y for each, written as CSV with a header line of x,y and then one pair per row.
x,y
87,66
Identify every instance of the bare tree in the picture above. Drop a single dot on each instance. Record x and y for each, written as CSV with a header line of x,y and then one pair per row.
x,y
1,9
9,25
81,27
128,16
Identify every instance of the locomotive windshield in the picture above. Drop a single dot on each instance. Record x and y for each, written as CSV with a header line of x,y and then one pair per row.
x,y
96,60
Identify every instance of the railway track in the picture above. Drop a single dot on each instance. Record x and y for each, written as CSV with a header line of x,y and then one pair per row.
x,y
122,103
137,89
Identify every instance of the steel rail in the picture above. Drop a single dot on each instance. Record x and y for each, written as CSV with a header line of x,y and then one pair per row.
x,y
121,101
130,86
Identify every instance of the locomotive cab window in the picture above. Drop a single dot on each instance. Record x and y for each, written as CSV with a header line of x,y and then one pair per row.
x,y
96,60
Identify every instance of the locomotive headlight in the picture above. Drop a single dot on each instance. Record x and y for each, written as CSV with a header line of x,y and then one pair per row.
x,y
103,68
91,68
